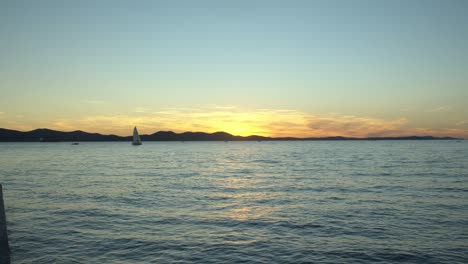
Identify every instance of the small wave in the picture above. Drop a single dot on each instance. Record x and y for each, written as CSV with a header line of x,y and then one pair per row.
x,y
296,225
402,256
266,161
450,189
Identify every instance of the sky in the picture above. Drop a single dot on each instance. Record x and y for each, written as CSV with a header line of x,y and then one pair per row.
x,y
264,67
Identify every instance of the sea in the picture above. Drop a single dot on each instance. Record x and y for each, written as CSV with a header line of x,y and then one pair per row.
x,y
237,202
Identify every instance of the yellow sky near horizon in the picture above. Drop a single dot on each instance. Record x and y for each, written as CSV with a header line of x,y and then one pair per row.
x,y
233,120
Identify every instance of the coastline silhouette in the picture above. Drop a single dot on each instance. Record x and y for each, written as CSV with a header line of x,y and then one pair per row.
x,y
48,135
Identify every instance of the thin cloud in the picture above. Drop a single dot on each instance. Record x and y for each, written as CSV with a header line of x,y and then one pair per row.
x,y
462,123
440,109
94,102
264,122
228,107
354,126
142,110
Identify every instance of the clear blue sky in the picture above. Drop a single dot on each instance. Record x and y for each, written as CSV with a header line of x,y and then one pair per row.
x,y
404,62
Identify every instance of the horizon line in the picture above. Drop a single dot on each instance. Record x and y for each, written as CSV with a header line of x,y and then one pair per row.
x,y
266,137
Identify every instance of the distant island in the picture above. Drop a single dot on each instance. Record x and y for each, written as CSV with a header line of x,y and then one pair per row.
x,y
48,135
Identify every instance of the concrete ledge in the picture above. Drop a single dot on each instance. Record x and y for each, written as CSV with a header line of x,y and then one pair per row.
x,y
4,247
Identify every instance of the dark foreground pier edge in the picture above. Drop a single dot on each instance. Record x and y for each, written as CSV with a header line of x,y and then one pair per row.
x,y
4,247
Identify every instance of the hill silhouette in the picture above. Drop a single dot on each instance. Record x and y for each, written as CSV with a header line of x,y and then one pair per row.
x,y
48,135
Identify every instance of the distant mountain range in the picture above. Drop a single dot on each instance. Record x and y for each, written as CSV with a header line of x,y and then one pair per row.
x,y
47,135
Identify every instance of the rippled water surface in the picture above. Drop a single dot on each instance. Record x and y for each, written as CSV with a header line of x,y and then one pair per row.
x,y
233,202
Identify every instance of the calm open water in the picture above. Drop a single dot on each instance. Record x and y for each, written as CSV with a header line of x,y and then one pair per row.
x,y
237,202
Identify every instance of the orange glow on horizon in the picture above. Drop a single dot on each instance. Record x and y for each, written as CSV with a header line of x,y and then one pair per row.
x,y
261,122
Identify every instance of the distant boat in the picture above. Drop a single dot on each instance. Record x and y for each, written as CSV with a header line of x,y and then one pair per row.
x,y
75,143
136,138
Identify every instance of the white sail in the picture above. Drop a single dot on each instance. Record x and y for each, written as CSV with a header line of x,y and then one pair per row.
x,y
136,137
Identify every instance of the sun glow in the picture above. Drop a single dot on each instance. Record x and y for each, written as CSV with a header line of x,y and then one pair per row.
x,y
242,125
241,122
239,129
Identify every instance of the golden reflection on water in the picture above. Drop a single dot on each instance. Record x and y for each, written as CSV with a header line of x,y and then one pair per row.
x,y
239,183
242,213
243,198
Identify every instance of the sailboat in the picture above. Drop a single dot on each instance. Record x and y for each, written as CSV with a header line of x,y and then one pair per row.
x,y
136,138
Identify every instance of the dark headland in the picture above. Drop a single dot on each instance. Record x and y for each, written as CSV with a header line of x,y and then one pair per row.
x,y
48,135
